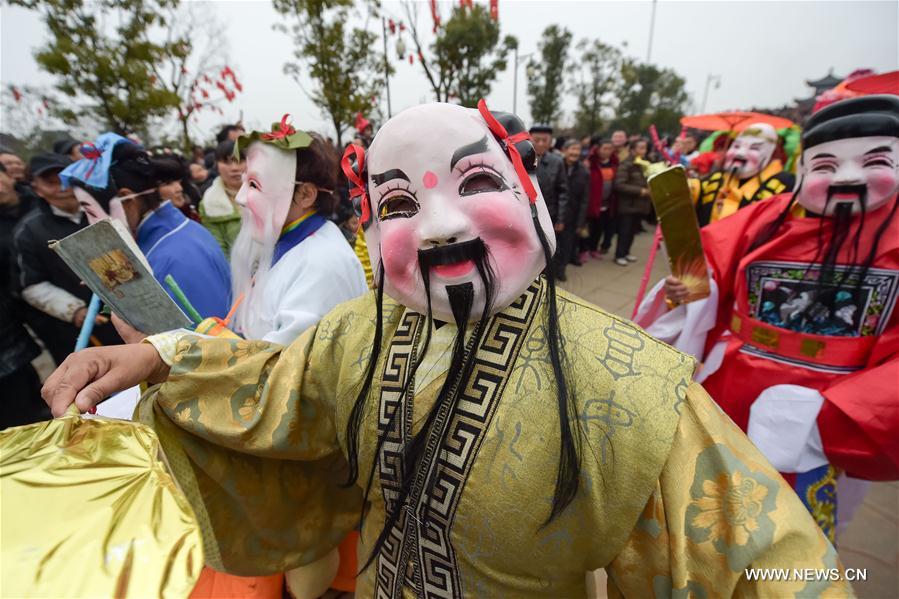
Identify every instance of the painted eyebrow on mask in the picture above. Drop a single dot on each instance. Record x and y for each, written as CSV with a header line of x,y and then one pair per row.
x,y
476,147
824,155
879,150
394,173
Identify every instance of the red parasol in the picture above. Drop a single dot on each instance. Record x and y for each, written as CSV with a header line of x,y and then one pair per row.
x,y
733,121
885,83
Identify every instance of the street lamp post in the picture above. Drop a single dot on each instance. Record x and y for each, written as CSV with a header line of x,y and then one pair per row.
x,y
530,73
386,68
708,83
652,26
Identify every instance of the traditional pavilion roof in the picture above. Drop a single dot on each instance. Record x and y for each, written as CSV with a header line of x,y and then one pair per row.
x,y
825,82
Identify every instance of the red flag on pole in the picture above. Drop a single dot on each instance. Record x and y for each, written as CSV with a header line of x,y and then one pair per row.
x,y
435,16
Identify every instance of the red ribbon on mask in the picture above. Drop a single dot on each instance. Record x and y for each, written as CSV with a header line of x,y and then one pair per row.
x,y
357,189
284,129
508,142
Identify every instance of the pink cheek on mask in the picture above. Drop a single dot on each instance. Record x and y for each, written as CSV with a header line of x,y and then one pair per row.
x,y
507,229
399,252
883,183
429,180
815,189
254,209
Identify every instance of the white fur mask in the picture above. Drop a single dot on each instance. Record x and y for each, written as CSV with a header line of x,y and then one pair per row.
x,y
264,199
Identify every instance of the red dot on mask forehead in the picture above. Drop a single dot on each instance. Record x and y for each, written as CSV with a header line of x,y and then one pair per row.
x,y
429,180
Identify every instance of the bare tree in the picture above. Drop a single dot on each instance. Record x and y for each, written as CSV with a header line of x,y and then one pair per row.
x,y
196,67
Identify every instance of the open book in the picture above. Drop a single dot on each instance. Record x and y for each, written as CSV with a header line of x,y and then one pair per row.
x,y
109,262
680,230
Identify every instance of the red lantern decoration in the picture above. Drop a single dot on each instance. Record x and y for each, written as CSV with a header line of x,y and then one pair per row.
x,y
494,10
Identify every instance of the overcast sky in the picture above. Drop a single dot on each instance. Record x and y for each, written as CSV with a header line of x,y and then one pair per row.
x,y
763,50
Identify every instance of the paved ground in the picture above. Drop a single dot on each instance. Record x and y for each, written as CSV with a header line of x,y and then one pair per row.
x,y
872,538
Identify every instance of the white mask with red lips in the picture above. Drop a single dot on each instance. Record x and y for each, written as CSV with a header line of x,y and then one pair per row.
x,y
872,162
751,151
436,177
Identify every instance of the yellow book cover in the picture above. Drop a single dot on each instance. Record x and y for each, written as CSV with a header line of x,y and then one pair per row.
x,y
680,230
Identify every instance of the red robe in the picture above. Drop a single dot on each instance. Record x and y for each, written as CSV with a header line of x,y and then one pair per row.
x,y
855,366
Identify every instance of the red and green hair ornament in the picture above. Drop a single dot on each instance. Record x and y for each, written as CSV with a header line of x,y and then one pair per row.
x,y
283,135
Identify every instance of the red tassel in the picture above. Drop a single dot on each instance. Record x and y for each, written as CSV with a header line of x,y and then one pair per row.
x,y
411,60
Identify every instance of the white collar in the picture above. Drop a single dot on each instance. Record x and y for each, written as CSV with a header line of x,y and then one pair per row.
x,y
75,218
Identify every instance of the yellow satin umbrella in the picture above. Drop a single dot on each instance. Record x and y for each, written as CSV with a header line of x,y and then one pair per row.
x,y
87,509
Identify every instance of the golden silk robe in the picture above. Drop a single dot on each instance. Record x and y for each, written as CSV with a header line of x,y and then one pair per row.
x,y
673,498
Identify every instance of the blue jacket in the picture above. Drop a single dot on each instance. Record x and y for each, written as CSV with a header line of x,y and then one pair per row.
x,y
175,245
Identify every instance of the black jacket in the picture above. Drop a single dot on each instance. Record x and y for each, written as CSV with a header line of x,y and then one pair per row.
x,y
578,181
554,185
36,263
629,181
17,348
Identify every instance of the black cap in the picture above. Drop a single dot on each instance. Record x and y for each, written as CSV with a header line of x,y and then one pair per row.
x,y
866,116
41,163
541,128
64,145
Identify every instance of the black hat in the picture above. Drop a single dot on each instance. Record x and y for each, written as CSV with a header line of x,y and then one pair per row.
x,y
41,163
866,116
64,145
541,128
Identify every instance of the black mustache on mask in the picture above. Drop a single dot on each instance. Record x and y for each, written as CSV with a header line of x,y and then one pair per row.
x,y
474,249
860,190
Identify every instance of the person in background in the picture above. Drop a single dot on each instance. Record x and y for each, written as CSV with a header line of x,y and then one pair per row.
x,y
218,211
179,190
689,149
633,199
619,143
229,133
68,147
586,145
553,184
56,300
21,385
602,206
199,175
13,164
15,168
126,187
346,218
578,180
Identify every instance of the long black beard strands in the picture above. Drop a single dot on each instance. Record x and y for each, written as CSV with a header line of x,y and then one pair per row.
x,y
568,475
354,423
461,299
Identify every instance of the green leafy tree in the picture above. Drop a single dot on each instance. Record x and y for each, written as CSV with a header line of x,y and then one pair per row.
x,y
102,59
343,64
546,86
466,56
650,96
594,84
